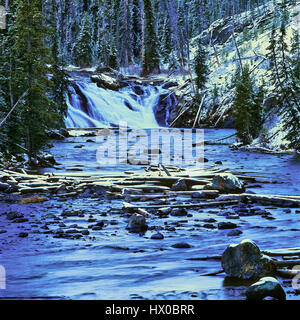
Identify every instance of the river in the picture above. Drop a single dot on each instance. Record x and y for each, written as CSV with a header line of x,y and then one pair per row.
x,y
112,263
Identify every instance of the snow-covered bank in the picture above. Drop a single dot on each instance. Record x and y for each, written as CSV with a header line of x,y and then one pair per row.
x,y
252,34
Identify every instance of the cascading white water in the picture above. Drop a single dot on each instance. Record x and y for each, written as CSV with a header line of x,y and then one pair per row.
x,y
91,106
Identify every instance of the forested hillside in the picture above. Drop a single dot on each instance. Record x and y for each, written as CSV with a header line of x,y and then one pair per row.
x,y
190,37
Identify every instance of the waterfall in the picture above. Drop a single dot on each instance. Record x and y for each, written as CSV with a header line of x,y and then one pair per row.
x,y
142,106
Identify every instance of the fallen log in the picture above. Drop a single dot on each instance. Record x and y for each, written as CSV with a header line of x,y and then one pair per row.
x,y
166,170
36,190
277,200
141,187
67,194
288,263
282,252
189,205
287,273
139,210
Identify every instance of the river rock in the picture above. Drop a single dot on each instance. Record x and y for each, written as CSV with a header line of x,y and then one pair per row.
x,y
108,82
179,185
209,226
226,183
181,245
14,215
137,223
265,287
178,212
71,213
234,233
245,261
48,157
23,234
226,225
157,236
164,211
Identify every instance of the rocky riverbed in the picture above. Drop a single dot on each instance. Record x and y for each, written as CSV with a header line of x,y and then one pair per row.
x,y
80,248
88,246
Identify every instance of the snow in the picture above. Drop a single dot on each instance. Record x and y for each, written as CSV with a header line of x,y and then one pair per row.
x,y
253,52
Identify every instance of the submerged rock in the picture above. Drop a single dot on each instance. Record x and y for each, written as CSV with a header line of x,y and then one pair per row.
x,y
245,261
265,287
181,245
234,233
14,215
23,234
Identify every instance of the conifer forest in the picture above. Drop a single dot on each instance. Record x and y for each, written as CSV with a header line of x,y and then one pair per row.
x,y
149,150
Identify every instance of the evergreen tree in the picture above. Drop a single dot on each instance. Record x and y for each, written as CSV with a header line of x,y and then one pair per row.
x,y
151,58
136,30
285,80
125,33
294,58
38,112
291,110
11,130
83,47
165,40
247,107
59,75
200,67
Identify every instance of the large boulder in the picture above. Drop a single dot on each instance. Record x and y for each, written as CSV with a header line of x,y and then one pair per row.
x,y
245,261
265,287
137,223
227,183
108,82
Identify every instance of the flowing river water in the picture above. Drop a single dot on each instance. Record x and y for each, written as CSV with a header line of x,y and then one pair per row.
x,y
111,262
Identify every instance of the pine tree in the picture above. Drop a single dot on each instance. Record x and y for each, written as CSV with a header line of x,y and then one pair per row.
x,y
83,47
247,107
11,129
59,75
125,33
166,41
285,80
38,112
151,58
291,111
136,30
200,67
